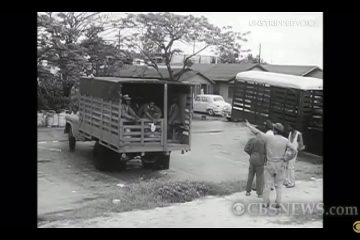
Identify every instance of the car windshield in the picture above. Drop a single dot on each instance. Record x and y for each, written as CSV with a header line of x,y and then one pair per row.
x,y
218,99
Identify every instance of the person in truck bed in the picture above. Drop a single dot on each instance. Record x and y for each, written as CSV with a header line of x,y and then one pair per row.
x,y
150,111
126,110
174,118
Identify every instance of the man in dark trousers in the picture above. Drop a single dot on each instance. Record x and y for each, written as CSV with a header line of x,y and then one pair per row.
x,y
255,147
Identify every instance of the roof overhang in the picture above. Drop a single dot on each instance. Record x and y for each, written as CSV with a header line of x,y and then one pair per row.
x,y
281,80
137,80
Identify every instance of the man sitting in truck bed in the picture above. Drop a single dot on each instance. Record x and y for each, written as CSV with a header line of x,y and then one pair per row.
x,y
174,118
127,112
150,111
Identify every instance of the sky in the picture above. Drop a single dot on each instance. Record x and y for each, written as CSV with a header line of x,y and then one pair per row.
x,y
286,37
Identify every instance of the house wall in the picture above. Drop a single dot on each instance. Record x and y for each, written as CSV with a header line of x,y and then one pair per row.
x,y
222,87
179,58
201,83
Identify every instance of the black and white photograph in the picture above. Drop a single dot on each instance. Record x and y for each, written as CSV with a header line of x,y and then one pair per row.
x,y
180,120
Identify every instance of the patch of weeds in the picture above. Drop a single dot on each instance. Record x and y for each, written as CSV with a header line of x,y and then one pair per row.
x,y
149,194
179,192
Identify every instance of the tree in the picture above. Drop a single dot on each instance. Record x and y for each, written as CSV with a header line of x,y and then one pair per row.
x,y
231,55
250,59
155,34
98,51
58,44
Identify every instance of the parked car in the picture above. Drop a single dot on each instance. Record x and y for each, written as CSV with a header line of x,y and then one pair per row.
x,y
212,104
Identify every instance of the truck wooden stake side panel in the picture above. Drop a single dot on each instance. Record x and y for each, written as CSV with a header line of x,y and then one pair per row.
x,y
99,119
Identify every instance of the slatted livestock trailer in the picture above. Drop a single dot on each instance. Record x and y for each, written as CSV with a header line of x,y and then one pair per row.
x,y
119,140
283,98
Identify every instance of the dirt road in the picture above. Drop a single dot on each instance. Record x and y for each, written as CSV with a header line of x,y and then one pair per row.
x,y
69,185
215,212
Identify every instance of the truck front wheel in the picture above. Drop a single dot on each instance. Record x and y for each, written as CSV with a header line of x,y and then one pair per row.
x,y
72,141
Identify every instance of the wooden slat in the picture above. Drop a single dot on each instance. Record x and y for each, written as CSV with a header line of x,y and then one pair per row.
x,y
153,139
285,98
147,139
142,132
96,118
132,126
138,133
87,101
107,118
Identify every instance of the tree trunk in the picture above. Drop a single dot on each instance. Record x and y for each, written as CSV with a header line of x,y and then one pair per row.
x,y
167,62
66,86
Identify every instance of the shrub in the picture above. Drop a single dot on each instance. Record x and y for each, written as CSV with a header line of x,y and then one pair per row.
x,y
180,191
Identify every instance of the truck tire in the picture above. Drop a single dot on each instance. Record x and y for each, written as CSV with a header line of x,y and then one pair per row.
x,y
72,141
147,165
157,161
106,159
164,162
98,160
148,161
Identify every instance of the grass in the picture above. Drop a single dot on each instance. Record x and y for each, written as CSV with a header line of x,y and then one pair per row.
x,y
304,170
155,193
148,194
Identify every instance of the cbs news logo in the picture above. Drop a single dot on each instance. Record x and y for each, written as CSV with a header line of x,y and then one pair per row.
x,y
356,226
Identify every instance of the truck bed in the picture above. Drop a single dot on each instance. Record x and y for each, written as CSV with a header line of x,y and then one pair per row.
x,y
100,120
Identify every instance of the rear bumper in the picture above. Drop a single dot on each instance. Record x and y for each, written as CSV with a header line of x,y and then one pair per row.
x,y
138,148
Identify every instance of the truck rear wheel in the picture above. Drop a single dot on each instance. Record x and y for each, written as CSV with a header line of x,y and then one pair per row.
x,y
156,161
164,162
106,159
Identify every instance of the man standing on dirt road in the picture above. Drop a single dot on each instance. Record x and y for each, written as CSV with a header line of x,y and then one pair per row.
x,y
255,147
295,137
274,170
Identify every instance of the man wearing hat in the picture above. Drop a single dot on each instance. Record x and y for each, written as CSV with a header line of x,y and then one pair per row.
x,y
274,170
269,127
126,111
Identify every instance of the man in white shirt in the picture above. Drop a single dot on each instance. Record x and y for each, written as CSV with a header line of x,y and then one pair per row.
x,y
295,137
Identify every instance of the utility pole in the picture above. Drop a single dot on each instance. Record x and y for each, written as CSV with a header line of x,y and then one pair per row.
x,y
260,53
119,37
